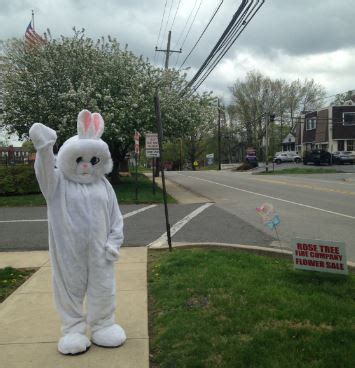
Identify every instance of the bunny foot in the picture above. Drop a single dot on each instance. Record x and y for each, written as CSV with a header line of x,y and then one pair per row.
x,y
73,343
109,337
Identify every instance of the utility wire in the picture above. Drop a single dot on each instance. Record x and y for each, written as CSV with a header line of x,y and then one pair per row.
x,y
177,9
216,47
166,25
203,32
234,31
188,31
161,23
187,21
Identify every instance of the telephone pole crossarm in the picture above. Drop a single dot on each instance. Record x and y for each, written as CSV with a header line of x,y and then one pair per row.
x,y
168,51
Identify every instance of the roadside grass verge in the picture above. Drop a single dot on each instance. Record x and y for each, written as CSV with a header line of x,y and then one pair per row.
x,y
125,193
223,308
11,279
300,170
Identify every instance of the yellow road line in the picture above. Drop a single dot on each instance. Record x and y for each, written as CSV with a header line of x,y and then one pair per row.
x,y
307,186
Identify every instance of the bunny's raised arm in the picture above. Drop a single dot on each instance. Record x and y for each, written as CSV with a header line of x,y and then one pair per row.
x,y
43,139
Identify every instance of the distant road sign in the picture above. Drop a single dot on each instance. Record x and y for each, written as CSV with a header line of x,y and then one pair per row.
x,y
136,142
152,145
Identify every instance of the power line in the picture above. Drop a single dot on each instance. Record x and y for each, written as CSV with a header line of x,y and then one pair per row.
x,y
188,31
231,36
166,24
203,32
177,9
187,21
161,23
241,18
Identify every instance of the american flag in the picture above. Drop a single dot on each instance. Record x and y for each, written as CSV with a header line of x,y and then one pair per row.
x,y
32,38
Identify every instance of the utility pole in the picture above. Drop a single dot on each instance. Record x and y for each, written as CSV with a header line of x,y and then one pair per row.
x,y
267,144
219,136
168,51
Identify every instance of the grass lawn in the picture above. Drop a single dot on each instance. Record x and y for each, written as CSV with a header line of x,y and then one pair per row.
x,y
300,170
125,190
223,308
11,279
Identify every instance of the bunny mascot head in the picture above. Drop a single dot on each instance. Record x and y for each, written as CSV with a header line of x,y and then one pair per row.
x,y
85,157
85,232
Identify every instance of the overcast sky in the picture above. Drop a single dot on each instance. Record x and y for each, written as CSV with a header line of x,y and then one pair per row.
x,y
287,39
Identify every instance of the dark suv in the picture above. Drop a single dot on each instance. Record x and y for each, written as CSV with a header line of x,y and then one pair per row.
x,y
317,157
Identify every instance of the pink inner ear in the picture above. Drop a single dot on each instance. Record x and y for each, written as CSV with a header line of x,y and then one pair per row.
x,y
97,122
87,121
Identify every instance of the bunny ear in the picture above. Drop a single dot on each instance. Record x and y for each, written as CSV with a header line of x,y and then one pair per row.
x,y
98,124
84,124
90,126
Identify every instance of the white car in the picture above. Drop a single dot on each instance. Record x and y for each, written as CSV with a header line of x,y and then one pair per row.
x,y
289,156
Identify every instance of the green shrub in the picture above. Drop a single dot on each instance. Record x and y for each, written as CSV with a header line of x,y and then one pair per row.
x,y
19,179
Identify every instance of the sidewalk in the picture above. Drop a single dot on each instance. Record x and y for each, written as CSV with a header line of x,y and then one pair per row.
x,y
29,324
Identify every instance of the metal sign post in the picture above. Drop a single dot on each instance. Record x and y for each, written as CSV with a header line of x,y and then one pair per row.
x,y
160,139
152,150
136,150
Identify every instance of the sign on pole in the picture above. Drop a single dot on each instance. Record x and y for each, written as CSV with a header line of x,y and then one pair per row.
x,y
136,142
209,159
319,255
152,145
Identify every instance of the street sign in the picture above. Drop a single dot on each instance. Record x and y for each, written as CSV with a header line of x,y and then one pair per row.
x,y
319,255
136,142
209,159
152,145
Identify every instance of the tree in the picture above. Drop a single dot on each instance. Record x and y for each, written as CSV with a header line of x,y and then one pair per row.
x,y
28,146
258,96
52,83
340,98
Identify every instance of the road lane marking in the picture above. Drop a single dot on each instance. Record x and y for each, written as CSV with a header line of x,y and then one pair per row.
x,y
271,197
178,226
126,215
130,214
306,186
29,220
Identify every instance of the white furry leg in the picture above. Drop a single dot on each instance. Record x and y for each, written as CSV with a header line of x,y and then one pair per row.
x,y
109,337
73,343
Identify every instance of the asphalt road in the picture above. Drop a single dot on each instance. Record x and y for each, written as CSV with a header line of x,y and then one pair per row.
x,y
317,206
25,228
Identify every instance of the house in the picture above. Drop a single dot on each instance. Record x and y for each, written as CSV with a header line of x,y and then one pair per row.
x,y
15,155
288,144
330,129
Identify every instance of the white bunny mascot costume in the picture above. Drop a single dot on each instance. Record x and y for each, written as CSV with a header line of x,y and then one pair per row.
x,y
85,231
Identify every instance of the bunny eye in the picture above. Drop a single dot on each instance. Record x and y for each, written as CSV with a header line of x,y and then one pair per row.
x,y
95,160
79,159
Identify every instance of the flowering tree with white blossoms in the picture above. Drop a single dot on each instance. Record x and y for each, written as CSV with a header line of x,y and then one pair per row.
x,y
51,83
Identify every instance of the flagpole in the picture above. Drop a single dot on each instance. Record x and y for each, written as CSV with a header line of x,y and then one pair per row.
x,y
33,20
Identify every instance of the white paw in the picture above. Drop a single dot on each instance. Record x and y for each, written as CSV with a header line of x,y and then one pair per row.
x,y
112,336
73,343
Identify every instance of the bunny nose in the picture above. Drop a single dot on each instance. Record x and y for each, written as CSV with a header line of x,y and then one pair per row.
x,y
85,165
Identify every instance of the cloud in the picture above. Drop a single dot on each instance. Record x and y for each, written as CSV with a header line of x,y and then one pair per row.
x,y
286,39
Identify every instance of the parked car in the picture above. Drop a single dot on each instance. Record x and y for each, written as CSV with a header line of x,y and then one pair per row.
x,y
343,157
286,157
317,157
